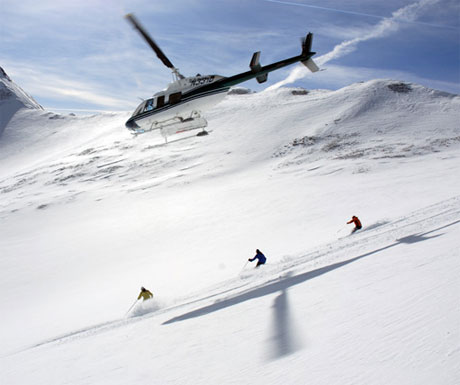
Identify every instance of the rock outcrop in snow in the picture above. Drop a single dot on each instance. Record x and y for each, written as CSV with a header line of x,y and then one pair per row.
x,y
12,99
378,119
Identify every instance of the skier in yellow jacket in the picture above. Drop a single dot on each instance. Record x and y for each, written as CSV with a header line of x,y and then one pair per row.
x,y
144,294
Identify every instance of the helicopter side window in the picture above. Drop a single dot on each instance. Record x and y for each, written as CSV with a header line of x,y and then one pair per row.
x,y
160,101
175,97
149,105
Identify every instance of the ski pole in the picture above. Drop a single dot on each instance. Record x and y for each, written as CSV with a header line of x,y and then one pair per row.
x,y
130,308
244,266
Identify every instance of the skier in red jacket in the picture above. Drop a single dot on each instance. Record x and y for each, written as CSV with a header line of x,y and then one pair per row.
x,y
357,222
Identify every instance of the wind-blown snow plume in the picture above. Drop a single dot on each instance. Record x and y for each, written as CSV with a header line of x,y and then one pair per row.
x,y
407,14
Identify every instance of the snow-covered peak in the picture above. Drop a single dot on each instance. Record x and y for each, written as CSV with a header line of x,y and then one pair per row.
x,y
12,99
374,119
10,91
3,74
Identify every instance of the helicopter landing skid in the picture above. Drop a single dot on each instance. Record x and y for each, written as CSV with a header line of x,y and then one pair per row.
x,y
182,125
177,125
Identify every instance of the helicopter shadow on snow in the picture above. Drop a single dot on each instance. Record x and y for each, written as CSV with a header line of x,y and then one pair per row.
x,y
286,335
284,339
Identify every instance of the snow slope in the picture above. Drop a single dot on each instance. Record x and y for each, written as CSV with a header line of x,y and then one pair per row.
x,y
89,213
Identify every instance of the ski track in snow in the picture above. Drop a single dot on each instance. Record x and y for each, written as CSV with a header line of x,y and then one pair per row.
x,y
419,226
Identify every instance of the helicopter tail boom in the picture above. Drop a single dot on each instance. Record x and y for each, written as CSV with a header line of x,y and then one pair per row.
x,y
305,59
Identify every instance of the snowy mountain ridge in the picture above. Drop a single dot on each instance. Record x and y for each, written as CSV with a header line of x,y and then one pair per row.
x,y
12,99
302,130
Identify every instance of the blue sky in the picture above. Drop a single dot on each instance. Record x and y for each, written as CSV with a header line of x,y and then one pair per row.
x,y
83,55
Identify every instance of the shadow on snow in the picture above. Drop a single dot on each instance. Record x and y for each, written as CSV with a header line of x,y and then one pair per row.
x,y
289,281
286,338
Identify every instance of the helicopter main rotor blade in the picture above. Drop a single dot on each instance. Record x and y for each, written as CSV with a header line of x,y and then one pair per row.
x,y
149,40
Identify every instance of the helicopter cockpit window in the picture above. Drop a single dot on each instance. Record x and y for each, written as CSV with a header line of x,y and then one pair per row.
x,y
139,109
175,97
149,105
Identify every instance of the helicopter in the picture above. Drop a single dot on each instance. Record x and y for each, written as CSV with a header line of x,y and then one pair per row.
x,y
179,107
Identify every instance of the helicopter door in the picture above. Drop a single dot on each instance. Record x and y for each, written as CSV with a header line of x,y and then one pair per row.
x,y
175,97
160,101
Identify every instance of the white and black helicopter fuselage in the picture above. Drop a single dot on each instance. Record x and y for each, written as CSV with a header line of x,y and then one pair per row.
x,y
179,107
182,102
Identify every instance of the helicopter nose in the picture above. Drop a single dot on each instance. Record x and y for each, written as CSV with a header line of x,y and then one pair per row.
x,y
131,124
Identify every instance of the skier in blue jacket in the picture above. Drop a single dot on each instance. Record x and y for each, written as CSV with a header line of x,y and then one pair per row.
x,y
260,258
